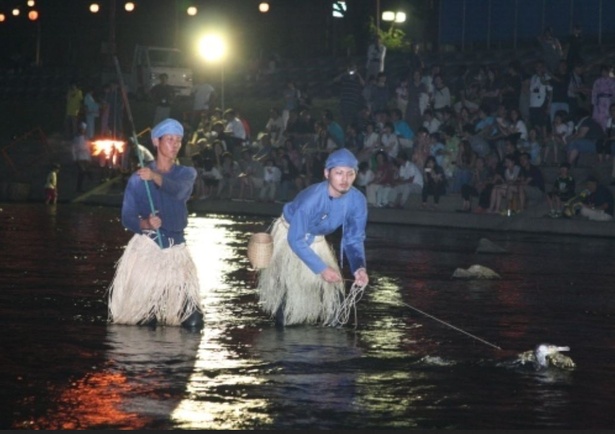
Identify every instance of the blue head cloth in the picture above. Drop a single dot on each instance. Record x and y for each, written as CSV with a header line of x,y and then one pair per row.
x,y
167,126
342,158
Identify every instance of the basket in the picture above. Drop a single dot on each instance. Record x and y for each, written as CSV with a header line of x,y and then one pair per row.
x,y
260,249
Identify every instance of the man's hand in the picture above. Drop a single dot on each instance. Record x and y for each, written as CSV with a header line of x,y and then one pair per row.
x,y
329,275
360,277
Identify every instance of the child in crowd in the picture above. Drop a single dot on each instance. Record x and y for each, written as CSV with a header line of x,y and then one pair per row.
x,y
556,141
51,185
563,190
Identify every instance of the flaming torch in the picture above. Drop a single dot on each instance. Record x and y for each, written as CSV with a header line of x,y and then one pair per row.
x,y
108,152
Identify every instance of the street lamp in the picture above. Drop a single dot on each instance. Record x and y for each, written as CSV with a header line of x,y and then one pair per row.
x,y
212,48
398,17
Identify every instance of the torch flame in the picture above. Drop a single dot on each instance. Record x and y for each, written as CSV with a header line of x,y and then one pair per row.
x,y
108,151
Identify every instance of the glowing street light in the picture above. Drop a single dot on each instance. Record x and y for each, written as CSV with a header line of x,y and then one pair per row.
x,y
398,17
129,7
212,48
263,7
192,11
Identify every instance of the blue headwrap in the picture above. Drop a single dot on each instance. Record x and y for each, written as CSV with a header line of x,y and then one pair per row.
x,y
342,158
167,126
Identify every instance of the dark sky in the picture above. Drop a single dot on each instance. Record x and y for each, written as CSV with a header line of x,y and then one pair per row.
x,y
69,34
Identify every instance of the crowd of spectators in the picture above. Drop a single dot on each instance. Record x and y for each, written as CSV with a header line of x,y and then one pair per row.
x,y
485,133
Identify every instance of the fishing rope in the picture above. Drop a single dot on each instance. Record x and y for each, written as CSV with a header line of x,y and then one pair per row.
x,y
136,141
452,326
342,313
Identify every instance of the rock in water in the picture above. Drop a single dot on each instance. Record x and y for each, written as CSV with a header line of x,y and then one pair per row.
x,y
487,246
475,272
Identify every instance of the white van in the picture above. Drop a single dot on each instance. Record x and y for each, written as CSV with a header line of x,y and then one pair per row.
x,y
149,62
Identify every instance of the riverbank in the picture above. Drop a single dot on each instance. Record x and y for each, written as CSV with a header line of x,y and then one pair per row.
x,y
27,177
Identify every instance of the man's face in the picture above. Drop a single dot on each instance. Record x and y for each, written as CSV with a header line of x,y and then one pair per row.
x,y
340,180
169,145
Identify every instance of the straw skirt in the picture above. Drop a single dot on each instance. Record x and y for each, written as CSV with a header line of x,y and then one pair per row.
x,y
288,284
151,282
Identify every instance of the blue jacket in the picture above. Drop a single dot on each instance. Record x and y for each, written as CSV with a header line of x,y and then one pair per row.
x,y
169,201
313,212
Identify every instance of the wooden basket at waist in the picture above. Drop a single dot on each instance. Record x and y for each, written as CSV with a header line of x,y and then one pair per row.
x,y
260,249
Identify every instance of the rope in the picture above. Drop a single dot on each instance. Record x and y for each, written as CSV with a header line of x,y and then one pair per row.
x,y
342,314
452,326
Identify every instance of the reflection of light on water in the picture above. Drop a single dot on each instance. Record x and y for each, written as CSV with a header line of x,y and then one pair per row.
x,y
215,390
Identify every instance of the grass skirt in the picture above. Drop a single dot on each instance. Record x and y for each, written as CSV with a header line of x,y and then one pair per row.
x,y
151,282
288,282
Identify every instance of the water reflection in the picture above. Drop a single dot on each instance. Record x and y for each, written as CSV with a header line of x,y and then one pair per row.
x,y
65,368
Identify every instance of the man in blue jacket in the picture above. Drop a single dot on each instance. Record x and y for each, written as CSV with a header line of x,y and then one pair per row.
x,y
304,283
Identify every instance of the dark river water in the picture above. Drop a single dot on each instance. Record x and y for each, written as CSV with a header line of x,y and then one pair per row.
x,y
406,364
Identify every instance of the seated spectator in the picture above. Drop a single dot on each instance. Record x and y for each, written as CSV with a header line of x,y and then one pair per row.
x,y
598,205
288,179
584,139
422,147
354,140
430,121
275,125
477,186
210,177
234,130
389,141
251,176
434,183
531,181
506,186
556,140
230,170
402,129
371,143
463,165
377,192
271,181
365,176
562,191
408,180
479,145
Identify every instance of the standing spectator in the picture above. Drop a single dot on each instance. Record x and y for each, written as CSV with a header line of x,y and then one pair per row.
x,y
578,90
416,90
401,95
350,94
74,99
511,87
559,83
603,95
376,53
381,94
335,132
162,94
82,156
230,170
441,97
234,130
51,185
203,95
551,49
574,47
92,111
415,61
540,95
292,97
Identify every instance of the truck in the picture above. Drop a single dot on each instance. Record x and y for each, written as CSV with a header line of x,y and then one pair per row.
x,y
149,62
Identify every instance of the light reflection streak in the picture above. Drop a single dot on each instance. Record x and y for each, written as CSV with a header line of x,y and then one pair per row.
x,y
216,367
